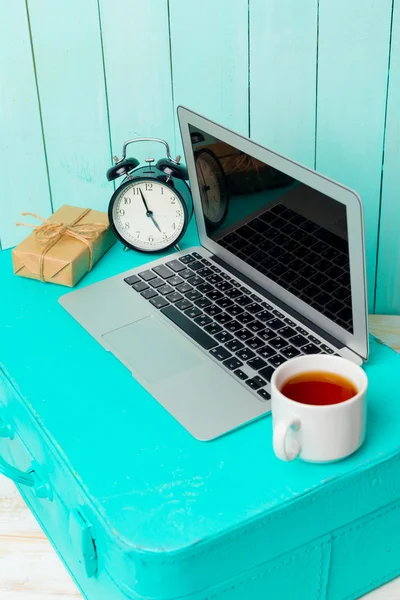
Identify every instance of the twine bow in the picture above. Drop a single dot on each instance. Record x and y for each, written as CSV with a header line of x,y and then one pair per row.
x,y
50,233
245,162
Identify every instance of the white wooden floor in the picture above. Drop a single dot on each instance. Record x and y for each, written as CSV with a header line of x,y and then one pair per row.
x,y
30,568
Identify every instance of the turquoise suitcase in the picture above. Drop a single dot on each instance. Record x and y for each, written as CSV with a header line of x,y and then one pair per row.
x,y
138,509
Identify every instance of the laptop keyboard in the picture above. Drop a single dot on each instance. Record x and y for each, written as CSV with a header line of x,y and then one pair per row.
x,y
245,334
304,258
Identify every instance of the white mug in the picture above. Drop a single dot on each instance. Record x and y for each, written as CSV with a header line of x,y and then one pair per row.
x,y
318,433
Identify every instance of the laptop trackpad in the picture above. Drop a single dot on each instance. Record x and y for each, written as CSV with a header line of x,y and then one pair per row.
x,y
152,351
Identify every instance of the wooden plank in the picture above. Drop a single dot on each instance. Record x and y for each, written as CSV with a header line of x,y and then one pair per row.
x,y
15,519
30,567
39,566
352,75
387,329
210,60
388,282
138,73
23,176
283,59
67,46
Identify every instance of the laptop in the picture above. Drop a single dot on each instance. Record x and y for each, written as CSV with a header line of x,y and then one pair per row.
x,y
279,272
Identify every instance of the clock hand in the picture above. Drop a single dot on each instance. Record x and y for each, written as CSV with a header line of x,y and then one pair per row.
x,y
205,187
148,212
155,222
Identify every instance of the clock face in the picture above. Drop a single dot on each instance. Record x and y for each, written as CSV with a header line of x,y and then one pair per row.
x,y
213,192
148,215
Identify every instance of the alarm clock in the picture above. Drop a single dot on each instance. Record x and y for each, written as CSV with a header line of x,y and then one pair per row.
x,y
212,187
149,211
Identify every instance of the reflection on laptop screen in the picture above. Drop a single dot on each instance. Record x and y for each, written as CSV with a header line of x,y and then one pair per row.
x,y
288,231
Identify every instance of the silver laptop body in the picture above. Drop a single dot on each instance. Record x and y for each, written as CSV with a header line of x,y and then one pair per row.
x,y
280,272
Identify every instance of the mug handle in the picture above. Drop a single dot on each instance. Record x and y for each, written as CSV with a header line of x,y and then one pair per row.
x,y
281,430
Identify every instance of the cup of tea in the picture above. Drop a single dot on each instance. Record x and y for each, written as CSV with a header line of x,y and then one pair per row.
x,y
318,407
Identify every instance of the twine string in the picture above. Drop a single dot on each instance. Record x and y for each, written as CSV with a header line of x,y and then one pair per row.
x,y
48,234
241,163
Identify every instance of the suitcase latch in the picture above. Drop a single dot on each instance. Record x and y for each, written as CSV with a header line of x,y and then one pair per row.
x,y
83,541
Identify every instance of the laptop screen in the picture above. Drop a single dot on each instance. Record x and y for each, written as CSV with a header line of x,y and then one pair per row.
x,y
288,231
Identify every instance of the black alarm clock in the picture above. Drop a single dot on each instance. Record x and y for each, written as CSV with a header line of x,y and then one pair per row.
x,y
149,211
212,187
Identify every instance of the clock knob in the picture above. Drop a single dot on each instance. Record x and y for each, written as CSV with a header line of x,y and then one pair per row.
x,y
149,162
122,168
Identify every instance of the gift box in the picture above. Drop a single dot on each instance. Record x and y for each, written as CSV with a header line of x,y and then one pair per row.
x,y
64,247
245,174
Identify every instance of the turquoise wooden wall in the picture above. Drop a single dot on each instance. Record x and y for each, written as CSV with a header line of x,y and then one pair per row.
x,y
316,80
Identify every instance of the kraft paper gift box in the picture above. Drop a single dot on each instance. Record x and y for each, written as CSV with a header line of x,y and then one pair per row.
x,y
245,174
63,248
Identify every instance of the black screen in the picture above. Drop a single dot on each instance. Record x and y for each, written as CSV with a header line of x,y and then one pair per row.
x,y
286,230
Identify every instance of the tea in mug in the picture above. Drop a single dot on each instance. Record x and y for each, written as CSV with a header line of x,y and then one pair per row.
x,y
319,388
